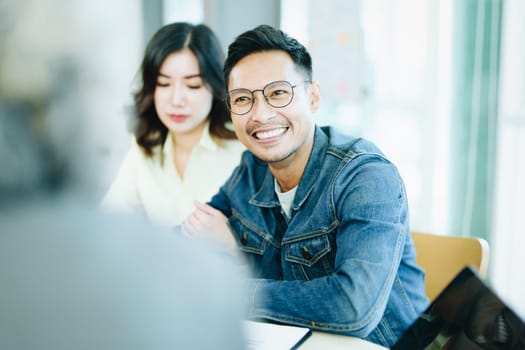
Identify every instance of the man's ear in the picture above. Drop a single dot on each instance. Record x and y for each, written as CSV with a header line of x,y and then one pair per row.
x,y
315,96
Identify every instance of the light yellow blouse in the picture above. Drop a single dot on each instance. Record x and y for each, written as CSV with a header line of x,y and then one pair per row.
x,y
151,187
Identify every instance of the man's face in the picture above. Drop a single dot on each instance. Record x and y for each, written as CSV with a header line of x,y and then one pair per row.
x,y
275,134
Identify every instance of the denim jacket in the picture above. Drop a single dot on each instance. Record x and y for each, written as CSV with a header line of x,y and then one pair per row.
x,y
344,262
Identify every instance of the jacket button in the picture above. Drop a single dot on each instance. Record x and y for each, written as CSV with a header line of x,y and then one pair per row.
x,y
306,253
244,239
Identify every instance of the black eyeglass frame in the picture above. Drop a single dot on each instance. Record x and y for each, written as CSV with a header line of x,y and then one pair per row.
x,y
252,92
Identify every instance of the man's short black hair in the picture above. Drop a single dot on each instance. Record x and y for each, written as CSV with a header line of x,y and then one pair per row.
x,y
267,38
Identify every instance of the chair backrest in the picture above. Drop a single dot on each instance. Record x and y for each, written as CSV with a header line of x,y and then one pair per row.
x,y
442,257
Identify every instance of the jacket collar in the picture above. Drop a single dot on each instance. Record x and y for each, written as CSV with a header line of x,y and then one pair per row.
x,y
266,197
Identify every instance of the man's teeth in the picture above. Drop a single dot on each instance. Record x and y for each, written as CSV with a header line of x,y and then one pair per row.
x,y
270,133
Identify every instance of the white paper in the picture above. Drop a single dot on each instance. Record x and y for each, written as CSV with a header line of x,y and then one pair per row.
x,y
268,336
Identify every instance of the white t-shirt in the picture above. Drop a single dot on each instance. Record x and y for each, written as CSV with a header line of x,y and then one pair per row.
x,y
285,198
154,188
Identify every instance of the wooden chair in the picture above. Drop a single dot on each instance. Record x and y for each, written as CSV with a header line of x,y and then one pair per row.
x,y
442,257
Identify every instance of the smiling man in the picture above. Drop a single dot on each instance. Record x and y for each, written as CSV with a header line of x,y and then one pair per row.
x,y
320,217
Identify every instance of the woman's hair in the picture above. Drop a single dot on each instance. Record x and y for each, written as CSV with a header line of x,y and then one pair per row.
x,y
267,38
201,40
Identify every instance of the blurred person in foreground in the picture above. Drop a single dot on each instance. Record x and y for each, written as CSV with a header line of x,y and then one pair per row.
x,y
321,217
73,277
182,130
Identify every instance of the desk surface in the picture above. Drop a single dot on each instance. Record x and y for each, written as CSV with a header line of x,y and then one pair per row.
x,y
322,340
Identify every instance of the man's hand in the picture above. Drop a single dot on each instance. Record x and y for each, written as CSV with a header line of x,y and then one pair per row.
x,y
209,223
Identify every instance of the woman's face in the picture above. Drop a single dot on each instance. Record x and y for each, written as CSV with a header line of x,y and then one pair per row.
x,y
182,99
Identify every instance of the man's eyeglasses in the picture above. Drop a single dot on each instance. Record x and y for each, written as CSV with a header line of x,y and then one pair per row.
x,y
277,94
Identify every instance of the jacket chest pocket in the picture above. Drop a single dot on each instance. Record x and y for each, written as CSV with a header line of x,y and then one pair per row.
x,y
247,238
309,258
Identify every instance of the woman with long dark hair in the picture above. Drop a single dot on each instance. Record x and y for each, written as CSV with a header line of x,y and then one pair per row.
x,y
185,149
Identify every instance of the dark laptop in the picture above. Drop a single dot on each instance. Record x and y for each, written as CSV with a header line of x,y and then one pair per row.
x,y
466,315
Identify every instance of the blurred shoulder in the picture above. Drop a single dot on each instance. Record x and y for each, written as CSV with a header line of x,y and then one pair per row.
x,y
231,148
